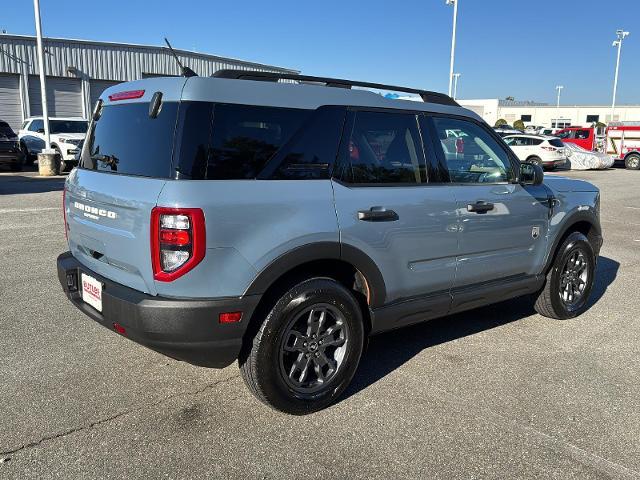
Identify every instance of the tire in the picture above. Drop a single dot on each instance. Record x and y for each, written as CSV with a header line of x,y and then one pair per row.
x,y
274,362
28,158
632,162
17,166
62,165
573,266
535,161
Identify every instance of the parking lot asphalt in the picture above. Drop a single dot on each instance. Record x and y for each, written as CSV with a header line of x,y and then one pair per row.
x,y
498,392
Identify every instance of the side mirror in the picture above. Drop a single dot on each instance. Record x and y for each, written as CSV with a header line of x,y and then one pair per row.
x,y
40,130
531,174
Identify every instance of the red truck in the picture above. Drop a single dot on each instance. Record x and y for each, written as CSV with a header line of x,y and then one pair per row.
x,y
623,143
583,136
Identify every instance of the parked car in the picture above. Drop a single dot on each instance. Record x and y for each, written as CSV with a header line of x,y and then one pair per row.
x,y
548,152
581,159
506,130
583,136
623,143
281,224
10,152
65,135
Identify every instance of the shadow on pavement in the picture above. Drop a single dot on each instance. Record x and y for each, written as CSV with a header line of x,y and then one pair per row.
x,y
389,351
21,183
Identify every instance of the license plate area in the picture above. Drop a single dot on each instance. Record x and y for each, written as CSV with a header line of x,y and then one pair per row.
x,y
91,291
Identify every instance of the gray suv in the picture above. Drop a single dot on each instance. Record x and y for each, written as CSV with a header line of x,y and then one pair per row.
x,y
281,223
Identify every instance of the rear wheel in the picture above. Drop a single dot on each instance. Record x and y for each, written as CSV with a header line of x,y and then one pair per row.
x,y
632,162
28,158
569,281
18,164
62,165
307,349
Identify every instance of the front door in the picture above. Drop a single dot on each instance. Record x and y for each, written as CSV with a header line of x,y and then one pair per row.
x,y
387,209
502,232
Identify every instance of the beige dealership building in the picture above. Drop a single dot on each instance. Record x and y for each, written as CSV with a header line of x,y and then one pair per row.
x,y
532,113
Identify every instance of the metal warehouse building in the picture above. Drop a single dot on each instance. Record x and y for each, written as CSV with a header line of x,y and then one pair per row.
x,y
79,70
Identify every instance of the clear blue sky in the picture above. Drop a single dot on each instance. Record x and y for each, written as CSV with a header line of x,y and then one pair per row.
x,y
505,47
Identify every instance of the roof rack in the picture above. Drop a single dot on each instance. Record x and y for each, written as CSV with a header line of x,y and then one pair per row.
x,y
430,97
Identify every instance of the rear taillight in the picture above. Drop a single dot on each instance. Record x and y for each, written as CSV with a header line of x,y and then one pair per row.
x,y
178,241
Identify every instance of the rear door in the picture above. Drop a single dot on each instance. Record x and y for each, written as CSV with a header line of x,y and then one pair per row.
x,y
502,225
387,209
125,163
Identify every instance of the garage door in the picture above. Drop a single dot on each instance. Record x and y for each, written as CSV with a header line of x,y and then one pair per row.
x,y
97,87
64,96
10,105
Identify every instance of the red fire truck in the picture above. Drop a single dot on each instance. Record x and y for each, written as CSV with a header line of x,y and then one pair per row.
x,y
623,143
583,136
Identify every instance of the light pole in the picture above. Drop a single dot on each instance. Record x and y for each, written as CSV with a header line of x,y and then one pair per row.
x,y
453,42
621,34
43,87
559,89
456,76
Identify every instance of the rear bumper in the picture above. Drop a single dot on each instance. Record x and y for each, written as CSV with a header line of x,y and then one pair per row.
x,y
10,157
186,330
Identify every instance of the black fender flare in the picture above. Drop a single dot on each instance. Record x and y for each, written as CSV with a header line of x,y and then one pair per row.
x,y
318,251
577,216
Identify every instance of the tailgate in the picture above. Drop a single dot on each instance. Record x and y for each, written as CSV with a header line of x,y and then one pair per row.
x,y
109,225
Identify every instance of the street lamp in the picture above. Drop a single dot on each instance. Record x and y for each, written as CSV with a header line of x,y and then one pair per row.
x,y
456,76
559,89
621,34
453,41
43,88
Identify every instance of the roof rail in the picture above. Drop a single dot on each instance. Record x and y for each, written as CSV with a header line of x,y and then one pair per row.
x,y
430,97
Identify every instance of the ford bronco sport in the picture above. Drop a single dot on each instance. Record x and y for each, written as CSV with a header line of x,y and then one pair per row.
x,y
282,223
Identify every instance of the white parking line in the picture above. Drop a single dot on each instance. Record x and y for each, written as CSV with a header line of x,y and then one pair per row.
x,y
635,208
21,210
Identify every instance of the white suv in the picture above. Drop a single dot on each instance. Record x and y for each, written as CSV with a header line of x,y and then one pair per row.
x,y
66,135
546,151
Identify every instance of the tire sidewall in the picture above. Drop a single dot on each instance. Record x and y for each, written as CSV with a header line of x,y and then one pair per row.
x,y
573,242
296,300
630,157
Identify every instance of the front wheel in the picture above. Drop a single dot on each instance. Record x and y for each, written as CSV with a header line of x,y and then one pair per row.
x,y
632,162
569,281
535,161
307,349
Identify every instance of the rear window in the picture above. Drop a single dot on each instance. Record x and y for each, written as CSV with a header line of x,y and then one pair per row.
x,y
6,130
127,141
556,142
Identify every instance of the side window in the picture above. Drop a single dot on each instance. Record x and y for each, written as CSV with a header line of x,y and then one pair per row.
x,y
36,125
470,153
384,148
536,141
311,153
245,138
582,134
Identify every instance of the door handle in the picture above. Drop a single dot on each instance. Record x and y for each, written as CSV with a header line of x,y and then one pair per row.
x,y
377,214
479,207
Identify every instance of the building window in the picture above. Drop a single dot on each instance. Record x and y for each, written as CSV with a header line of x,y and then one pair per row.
x,y
593,118
560,123
525,118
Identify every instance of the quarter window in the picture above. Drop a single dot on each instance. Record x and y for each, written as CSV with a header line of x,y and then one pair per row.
x,y
385,148
470,153
245,138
